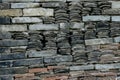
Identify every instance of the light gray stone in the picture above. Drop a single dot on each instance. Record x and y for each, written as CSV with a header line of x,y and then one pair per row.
x,y
17,0
117,39
42,53
38,12
44,27
116,18
82,67
115,4
96,18
107,66
24,5
26,20
114,11
98,41
13,27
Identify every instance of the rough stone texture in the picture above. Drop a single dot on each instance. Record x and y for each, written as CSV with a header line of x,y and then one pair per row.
x,y
11,12
98,41
96,18
59,40
38,12
24,5
26,20
44,27
13,27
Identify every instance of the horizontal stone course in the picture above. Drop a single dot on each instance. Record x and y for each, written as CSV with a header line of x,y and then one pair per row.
x,y
44,27
26,20
16,70
96,18
4,20
12,56
38,12
28,62
13,27
98,41
4,5
24,5
11,12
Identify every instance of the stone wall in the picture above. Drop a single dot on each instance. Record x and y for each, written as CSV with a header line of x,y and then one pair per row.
x,y
59,40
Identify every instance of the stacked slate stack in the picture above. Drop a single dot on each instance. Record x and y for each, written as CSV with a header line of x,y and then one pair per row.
x,y
59,40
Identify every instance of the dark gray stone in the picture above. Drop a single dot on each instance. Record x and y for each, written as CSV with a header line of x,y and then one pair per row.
x,y
4,20
6,77
12,56
4,5
28,62
20,70
5,64
12,43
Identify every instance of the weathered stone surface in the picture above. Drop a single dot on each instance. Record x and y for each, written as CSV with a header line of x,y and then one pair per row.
x,y
5,64
24,5
12,56
4,5
4,20
44,27
5,35
56,59
117,39
116,18
77,26
28,62
82,67
107,66
13,27
98,41
6,77
12,43
115,4
20,70
11,12
38,12
115,11
17,0
26,20
96,18
42,53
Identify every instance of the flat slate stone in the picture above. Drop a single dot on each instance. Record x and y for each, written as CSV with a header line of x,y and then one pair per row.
x,y
4,20
4,5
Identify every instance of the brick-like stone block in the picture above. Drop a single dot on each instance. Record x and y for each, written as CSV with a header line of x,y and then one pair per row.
x,y
107,66
6,77
4,64
12,43
18,70
13,27
28,62
115,11
42,53
96,18
5,35
24,5
4,5
116,18
117,39
4,20
77,26
44,27
56,59
115,4
12,56
38,12
98,41
26,20
11,12
17,0
82,67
